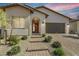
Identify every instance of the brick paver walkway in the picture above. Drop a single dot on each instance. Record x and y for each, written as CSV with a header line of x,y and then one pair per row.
x,y
37,48
3,49
70,45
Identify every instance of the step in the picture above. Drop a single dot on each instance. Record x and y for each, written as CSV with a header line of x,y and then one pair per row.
x,y
34,40
38,53
36,36
37,47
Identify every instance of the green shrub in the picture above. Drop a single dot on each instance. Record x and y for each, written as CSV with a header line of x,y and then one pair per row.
x,y
14,50
13,40
56,44
48,39
1,37
58,52
24,38
43,35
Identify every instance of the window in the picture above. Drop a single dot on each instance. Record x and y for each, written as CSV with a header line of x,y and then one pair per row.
x,y
18,22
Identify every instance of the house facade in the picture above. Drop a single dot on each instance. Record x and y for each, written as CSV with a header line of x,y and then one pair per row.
x,y
55,22
25,20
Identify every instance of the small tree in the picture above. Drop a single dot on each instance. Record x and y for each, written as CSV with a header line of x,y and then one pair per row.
x,y
3,20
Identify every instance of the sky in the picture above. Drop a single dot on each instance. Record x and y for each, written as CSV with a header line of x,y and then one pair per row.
x,y
68,9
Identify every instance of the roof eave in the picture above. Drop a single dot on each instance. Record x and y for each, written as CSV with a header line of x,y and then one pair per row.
x,y
54,11
28,7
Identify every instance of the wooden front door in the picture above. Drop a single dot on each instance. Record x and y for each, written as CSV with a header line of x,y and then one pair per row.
x,y
35,26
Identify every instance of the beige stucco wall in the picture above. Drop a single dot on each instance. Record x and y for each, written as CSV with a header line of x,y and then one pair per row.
x,y
56,18
77,26
73,27
18,11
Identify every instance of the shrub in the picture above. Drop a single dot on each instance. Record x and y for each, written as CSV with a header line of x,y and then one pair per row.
x,y
13,40
43,35
48,39
56,44
58,52
1,37
14,50
24,38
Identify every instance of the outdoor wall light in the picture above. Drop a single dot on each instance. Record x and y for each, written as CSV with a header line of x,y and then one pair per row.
x,y
68,25
43,21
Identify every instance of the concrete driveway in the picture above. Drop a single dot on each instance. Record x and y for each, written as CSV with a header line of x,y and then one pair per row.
x,y
70,44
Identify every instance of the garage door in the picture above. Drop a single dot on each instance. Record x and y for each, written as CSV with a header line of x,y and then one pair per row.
x,y
55,27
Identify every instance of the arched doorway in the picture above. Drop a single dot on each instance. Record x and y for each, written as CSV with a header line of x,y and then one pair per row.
x,y
35,25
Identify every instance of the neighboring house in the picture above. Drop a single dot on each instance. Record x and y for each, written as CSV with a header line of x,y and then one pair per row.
x,y
74,26
55,22
27,20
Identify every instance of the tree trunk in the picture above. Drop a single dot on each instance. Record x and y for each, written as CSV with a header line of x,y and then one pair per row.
x,y
10,31
5,36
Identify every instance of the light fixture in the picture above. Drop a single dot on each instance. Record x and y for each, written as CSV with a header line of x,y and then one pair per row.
x,y
43,21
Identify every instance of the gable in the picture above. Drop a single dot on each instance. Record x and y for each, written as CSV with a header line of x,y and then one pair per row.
x,y
48,11
53,17
23,6
17,11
